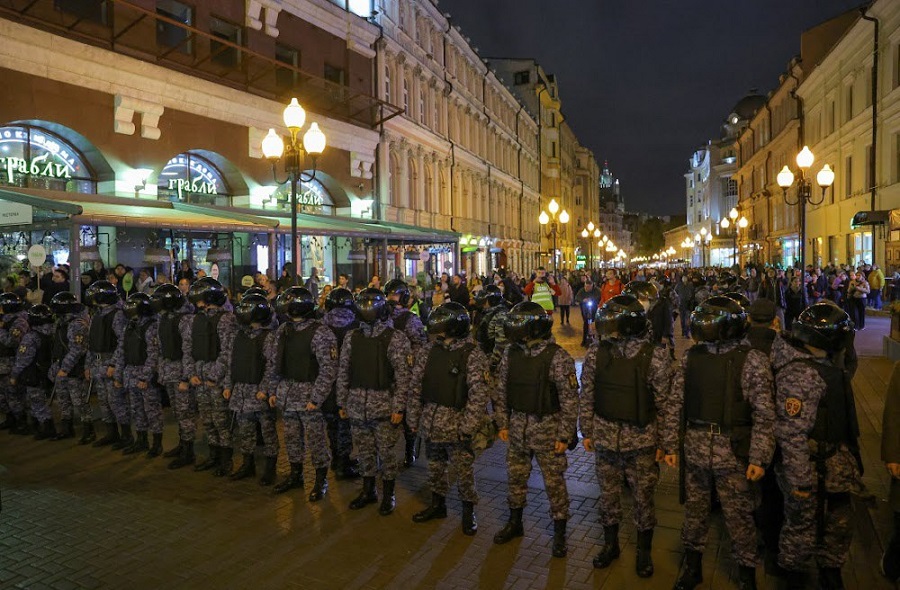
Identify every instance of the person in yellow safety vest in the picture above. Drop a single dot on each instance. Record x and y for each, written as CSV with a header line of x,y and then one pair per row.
x,y
542,289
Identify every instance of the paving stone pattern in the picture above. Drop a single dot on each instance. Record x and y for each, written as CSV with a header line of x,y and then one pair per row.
x,y
75,517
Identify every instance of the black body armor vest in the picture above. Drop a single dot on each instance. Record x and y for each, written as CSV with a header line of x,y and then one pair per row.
x,y
370,366
102,338
529,386
205,337
170,336
621,391
444,382
248,358
296,360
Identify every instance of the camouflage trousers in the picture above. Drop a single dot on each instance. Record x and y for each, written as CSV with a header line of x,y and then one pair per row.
x,y
214,414
640,471
302,429
247,425
339,438
737,497
37,403
377,439
184,406
553,470
71,397
449,463
800,539
146,408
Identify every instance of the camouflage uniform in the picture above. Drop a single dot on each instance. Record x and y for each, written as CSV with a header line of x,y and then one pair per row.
x,y
626,451
70,390
532,435
26,356
12,397
243,401
709,459
293,396
447,430
341,321
146,405
799,391
212,406
370,410
113,405
171,375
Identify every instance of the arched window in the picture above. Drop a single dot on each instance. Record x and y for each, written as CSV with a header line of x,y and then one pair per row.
x,y
31,157
191,178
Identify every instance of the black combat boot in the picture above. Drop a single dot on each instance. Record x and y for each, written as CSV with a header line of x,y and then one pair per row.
x,y
125,440
111,436
66,430
247,469
643,564
186,458
409,458
691,571
320,487
215,451
830,578
155,449
437,509
610,549
87,433
366,496
293,481
139,445
747,577
469,524
174,452
559,538
268,476
512,529
226,462
387,498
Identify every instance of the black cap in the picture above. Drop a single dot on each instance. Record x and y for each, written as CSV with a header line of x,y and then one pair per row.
x,y
449,319
296,303
762,311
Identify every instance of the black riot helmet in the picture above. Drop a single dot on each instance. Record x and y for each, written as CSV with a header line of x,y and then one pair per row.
x,y
371,305
65,303
527,321
340,297
623,315
740,298
138,305
10,303
255,290
823,326
102,293
490,294
39,315
450,319
717,319
645,292
296,303
398,288
209,291
253,309
167,297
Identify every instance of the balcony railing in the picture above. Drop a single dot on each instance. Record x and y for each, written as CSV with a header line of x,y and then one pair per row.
x,y
129,29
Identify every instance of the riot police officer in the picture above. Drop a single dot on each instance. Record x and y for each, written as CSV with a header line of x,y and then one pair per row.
x,y
723,390
536,412
67,367
107,325
32,366
302,362
372,389
627,421
448,399
817,432
13,326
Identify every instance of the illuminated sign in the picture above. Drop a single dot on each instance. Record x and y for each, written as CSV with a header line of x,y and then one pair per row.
x,y
189,175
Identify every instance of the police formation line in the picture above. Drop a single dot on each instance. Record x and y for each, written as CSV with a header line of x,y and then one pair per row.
x,y
369,371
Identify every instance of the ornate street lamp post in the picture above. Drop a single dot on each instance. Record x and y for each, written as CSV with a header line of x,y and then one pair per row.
x,y
563,219
824,179
273,147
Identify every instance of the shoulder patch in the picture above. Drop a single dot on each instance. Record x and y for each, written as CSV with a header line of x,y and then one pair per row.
x,y
573,381
792,406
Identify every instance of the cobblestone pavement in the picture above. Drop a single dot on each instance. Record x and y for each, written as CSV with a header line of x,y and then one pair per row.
x,y
90,518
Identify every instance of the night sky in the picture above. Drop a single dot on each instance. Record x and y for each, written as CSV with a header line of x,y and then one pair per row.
x,y
643,84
